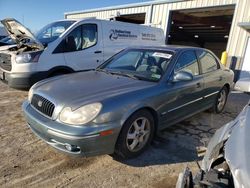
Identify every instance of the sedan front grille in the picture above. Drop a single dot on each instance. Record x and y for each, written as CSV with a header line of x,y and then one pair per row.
x,y
42,105
5,61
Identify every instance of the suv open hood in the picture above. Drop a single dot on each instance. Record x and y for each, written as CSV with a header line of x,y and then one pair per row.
x,y
19,33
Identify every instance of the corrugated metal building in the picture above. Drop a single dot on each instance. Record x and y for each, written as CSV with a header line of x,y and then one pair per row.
x,y
215,24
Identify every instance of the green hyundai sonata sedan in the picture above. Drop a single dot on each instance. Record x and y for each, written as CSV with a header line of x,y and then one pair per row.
x,y
119,107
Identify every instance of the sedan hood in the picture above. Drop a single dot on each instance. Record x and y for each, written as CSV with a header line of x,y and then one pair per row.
x,y
18,32
85,87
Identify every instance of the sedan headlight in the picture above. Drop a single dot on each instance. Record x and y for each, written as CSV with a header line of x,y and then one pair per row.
x,y
30,94
81,115
28,57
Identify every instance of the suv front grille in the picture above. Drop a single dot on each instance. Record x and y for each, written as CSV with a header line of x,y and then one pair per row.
x,y
42,105
5,61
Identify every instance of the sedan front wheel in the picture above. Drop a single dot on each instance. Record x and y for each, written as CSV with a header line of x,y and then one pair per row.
x,y
136,134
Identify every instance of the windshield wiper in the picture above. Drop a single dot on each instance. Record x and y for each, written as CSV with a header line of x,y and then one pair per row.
x,y
103,70
117,73
120,73
134,76
125,74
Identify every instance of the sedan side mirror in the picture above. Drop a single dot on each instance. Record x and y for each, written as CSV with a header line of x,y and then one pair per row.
x,y
182,76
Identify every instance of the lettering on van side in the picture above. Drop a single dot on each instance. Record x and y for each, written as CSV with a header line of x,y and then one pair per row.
x,y
121,34
148,36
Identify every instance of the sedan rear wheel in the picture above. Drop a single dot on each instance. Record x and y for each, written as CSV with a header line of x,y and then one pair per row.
x,y
136,134
221,100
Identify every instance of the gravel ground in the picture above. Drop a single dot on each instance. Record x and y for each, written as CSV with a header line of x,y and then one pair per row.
x,y
25,161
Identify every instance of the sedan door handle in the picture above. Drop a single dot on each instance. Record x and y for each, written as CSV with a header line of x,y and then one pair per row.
x,y
220,78
198,85
98,52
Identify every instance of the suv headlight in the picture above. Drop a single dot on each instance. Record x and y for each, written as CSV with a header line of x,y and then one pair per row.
x,y
81,115
28,57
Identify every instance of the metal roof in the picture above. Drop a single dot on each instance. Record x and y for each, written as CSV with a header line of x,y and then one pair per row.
x,y
124,6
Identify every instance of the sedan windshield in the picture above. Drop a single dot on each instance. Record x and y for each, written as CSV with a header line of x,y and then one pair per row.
x,y
139,64
52,31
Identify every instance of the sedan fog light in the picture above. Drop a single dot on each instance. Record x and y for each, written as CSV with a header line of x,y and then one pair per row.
x,y
72,148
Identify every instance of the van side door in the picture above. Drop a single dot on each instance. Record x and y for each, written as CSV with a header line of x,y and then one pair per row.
x,y
83,47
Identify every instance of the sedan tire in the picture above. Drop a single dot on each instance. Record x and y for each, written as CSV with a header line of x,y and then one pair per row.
x,y
221,100
136,134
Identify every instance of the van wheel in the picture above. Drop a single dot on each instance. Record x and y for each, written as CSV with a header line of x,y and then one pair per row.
x,y
221,100
136,134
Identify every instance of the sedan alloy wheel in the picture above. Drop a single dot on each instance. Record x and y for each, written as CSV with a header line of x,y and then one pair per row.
x,y
138,134
221,100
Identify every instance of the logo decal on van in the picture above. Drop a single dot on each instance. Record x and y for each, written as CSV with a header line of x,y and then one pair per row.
x,y
113,35
121,34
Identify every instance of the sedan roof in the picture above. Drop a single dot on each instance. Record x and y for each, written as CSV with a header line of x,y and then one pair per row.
x,y
173,48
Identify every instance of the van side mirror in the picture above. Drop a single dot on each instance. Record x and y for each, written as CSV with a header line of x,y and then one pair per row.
x,y
182,76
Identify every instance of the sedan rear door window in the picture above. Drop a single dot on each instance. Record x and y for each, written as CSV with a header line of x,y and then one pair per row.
x,y
208,62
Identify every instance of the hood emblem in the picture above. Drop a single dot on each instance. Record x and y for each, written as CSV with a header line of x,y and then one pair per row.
x,y
40,103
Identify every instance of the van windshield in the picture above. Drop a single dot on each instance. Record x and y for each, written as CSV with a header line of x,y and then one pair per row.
x,y
52,31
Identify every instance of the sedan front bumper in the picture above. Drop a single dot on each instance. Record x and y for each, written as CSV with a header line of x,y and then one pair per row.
x,y
78,141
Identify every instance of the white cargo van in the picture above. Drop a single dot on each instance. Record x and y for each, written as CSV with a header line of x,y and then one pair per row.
x,y
67,46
